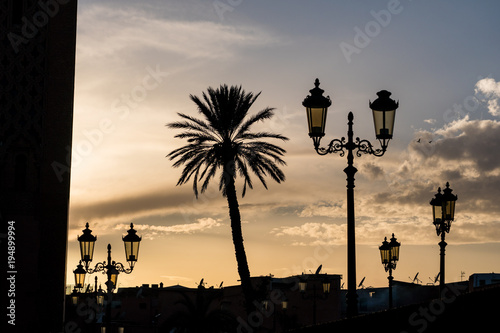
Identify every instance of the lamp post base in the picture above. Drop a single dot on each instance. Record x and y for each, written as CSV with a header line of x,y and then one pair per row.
x,y
352,304
390,278
442,246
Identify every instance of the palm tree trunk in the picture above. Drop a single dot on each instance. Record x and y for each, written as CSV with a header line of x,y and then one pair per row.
x,y
241,257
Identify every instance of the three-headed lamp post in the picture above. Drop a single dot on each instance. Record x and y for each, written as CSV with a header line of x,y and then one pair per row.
x,y
110,268
389,254
443,213
384,111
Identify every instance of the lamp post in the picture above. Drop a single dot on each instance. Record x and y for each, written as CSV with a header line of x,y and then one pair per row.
x,y
111,268
326,291
384,111
389,254
443,212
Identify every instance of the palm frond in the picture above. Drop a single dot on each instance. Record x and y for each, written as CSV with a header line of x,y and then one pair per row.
x,y
260,116
222,141
260,135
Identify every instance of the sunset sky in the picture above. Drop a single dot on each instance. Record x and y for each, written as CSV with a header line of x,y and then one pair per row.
x,y
138,62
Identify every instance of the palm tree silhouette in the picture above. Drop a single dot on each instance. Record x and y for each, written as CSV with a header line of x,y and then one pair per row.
x,y
223,141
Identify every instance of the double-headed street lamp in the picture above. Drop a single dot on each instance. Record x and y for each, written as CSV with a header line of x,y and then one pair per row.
x,y
111,268
326,291
384,111
389,254
443,212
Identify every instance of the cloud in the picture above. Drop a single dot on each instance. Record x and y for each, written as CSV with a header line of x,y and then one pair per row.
x,y
323,208
472,144
372,170
106,32
130,206
151,231
414,231
178,205
320,233
176,278
488,91
463,152
369,231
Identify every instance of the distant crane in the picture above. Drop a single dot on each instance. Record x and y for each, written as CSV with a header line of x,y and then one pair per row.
x,y
361,283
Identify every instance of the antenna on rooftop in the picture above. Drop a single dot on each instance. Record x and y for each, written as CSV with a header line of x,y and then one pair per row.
x,y
416,279
361,283
319,269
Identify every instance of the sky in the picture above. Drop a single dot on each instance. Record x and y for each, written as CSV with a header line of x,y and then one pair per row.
x,y
138,62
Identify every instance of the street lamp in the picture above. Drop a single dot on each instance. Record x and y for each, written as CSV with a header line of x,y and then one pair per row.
x,y
74,296
100,297
111,268
316,108
384,112
389,254
79,276
315,296
131,241
443,213
87,242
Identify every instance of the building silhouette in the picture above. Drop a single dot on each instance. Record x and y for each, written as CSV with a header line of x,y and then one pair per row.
x,y
417,308
460,307
37,65
155,308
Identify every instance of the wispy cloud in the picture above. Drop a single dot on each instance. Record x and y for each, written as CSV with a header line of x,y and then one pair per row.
x,y
316,233
323,208
176,278
130,206
151,231
117,32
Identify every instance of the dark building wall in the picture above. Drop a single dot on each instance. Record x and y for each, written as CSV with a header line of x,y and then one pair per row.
x,y
37,65
455,311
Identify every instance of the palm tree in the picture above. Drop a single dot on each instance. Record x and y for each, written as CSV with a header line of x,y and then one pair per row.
x,y
222,141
